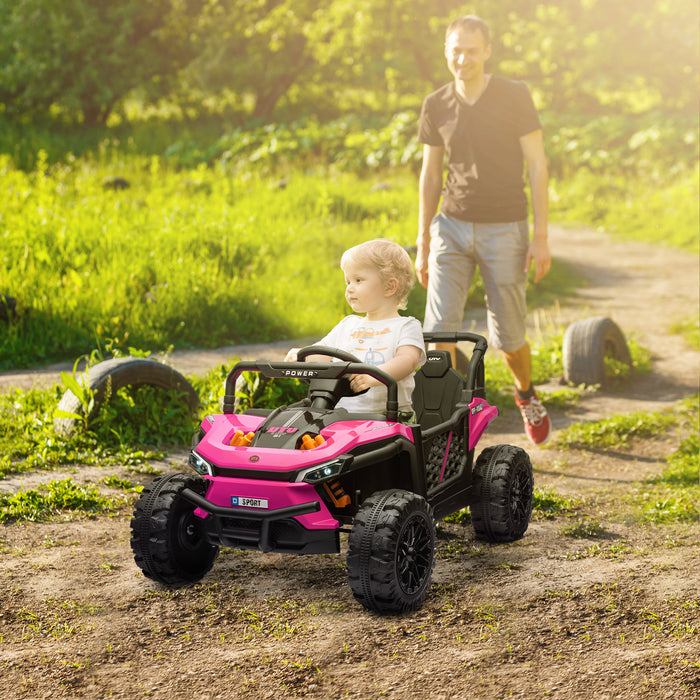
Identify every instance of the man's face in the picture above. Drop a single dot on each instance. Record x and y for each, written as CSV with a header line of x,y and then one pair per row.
x,y
466,53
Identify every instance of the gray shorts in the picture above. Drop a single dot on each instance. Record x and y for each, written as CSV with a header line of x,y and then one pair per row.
x,y
456,248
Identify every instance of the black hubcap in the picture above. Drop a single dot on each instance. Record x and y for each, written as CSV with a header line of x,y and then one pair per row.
x,y
414,555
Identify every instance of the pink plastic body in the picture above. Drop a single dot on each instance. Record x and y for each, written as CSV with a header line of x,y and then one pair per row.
x,y
278,495
481,413
340,438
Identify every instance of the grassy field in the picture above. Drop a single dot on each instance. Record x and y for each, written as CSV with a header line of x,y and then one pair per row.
x,y
132,250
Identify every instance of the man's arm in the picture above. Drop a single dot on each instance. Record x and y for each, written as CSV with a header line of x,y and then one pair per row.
x,y
538,252
429,191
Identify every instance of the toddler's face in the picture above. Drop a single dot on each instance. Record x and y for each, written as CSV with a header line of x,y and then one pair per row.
x,y
365,291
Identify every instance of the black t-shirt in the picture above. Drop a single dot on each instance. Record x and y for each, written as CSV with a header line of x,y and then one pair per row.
x,y
485,161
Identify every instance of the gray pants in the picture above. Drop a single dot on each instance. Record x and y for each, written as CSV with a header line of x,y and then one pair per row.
x,y
456,248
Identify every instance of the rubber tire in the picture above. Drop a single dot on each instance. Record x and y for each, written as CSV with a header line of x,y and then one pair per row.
x,y
119,372
166,540
391,551
586,345
504,485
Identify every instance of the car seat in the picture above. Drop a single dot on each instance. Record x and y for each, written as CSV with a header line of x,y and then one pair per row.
x,y
438,389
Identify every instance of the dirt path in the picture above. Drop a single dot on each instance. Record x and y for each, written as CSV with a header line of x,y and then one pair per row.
x,y
612,616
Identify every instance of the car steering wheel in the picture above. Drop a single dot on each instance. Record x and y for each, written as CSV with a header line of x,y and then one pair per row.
x,y
338,354
325,350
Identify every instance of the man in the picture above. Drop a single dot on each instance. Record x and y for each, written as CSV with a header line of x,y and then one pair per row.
x,y
487,125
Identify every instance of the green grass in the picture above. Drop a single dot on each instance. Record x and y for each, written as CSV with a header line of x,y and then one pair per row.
x,y
132,427
689,328
614,431
584,528
206,248
57,498
658,209
181,258
547,504
674,495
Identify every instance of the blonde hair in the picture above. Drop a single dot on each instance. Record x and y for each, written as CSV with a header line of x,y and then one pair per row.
x,y
391,262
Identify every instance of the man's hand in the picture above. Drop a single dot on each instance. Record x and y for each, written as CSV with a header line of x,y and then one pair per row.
x,y
538,252
422,268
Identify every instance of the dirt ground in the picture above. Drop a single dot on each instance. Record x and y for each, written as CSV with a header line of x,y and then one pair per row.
x,y
615,616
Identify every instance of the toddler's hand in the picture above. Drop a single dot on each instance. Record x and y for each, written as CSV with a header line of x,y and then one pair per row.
x,y
292,355
362,382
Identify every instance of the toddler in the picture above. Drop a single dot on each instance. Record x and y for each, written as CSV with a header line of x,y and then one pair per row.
x,y
378,277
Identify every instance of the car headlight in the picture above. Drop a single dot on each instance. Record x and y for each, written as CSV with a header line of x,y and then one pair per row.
x,y
322,472
201,465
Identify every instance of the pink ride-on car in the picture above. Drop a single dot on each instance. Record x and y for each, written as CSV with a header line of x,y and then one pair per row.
x,y
294,478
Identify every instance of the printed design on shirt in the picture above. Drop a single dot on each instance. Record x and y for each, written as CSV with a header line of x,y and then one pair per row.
x,y
372,356
362,334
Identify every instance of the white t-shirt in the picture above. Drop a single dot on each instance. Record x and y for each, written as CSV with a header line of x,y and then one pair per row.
x,y
374,343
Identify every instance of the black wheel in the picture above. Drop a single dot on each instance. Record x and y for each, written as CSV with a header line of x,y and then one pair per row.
x,y
119,372
391,551
503,486
166,536
586,345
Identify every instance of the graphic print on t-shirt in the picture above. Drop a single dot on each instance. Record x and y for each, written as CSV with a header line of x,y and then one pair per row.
x,y
363,336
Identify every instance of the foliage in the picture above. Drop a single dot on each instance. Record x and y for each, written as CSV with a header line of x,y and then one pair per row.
x,y
81,57
588,528
53,499
689,328
199,272
546,354
674,495
547,503
28,440
659,211
327,57
145,416
256,391
614,431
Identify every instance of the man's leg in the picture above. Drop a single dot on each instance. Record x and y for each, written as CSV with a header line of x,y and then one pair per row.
x,y
535,418
502,249
518,363
451,270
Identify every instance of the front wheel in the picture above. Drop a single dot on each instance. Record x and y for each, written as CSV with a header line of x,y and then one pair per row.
x,y
166,537
391,551
503,486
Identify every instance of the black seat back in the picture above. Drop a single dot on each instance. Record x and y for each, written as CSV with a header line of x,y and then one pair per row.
x,y
438,389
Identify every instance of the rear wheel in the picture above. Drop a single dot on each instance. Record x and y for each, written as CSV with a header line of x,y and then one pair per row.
x,y
166,537
503,485
587,344
391,551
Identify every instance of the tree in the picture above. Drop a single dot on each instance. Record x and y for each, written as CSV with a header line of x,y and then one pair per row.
x,y
83,56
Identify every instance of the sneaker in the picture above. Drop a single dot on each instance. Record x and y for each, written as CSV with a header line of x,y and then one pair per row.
x,y
535,418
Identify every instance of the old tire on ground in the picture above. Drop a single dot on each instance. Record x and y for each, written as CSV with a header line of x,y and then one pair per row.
x,y
503,489
111,375
166,536
586,345
391,551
